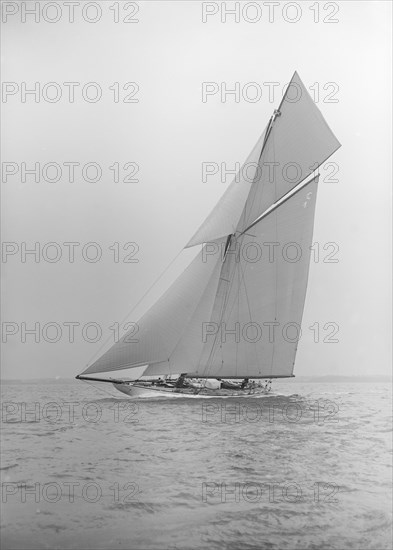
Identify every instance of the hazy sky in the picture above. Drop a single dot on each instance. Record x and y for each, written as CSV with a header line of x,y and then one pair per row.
x,y
169,133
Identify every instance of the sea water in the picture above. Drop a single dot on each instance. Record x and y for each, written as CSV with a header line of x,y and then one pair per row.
x,y
306,467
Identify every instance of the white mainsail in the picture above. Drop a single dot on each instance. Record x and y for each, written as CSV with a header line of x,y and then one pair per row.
x,y
236,311
256,321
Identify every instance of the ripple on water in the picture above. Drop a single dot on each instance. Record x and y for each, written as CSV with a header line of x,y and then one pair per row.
x,y
171,454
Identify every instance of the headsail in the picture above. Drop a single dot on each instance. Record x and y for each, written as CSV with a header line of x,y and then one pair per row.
x,y
162,327
225,215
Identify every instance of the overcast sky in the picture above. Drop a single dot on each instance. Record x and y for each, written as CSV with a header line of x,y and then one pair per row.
x,y
169,133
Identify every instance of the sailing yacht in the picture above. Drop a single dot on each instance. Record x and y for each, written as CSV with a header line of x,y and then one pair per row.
x,y
233,317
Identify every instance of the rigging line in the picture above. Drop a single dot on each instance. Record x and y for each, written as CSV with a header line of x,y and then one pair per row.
x,y
212,307
210,317
225,303
286,91
243,215
256,179
220,317
248,303
213,304
238,311
229,312
276,266
223,308
267,134
258,176
135,306
275,301
191,317
220,278
276,113
261,180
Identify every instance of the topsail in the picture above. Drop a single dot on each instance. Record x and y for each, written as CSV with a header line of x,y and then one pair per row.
x,y
297,142
236,311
